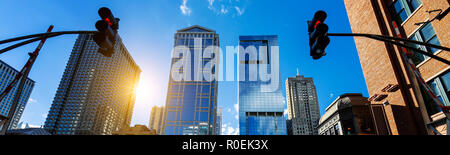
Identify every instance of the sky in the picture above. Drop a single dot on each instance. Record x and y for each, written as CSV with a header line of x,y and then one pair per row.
x,y
147,29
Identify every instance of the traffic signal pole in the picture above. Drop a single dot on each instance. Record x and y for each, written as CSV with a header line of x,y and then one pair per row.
x,y
23,75
389,39
105,38
411,66
38,37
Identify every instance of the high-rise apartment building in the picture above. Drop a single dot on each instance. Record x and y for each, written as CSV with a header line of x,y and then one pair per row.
x,y
156,118
400,104
191,102
261,103
303,105
96,94
7,75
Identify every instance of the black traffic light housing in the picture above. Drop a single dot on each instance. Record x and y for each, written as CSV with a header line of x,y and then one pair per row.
x,y
107,32
318,39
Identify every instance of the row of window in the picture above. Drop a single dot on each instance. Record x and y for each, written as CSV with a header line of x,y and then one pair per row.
x,y
402,10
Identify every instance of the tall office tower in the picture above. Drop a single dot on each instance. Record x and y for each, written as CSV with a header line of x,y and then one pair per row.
x,y
261,104
400,104
219,121
96,94
191,101
7,74
156,118
303,106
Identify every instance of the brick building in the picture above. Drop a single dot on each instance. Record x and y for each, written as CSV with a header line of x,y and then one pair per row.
x,y
407,109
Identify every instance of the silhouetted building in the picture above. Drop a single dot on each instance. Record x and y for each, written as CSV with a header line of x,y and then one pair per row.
x,y
349,114
28,131
136,130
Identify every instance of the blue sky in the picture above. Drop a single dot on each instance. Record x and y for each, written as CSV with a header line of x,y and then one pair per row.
x,y
148,27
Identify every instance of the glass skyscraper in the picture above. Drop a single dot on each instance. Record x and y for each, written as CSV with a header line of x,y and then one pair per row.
x,y
96,94
260,99
191,102
7,74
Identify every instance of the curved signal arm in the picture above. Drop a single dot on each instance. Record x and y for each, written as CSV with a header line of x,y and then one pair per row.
x,y
38,37
389,39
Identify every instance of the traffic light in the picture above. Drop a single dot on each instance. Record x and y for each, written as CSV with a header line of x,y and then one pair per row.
x,y
107,32
318,39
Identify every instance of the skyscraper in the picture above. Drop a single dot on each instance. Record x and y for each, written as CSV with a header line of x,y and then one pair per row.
x,y
7,74
261,104
156,118
303,106
400,104
96,94
219,121
191,102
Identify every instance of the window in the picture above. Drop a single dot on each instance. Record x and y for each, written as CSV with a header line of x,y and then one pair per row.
x,y
425,34
441,88
402,9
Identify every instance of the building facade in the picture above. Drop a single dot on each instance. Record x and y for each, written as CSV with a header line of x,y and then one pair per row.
x,y
136,130
406,108
219,121
156,118
7,75
261,103
96,94
191,102
303,105
28,131
349,114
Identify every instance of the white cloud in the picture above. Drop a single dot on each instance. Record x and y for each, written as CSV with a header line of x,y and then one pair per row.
x,y
44,115
230,131
285,111
223,7
331,95
185,9
229,110
223,10
240,11
236,108
31,100
211,3
236,132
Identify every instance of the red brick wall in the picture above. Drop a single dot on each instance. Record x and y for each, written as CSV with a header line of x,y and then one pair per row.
x,y
380,61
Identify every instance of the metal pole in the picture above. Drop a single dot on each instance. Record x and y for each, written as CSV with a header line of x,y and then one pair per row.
x,y
391,38
27,68
45,34
384,39
38,37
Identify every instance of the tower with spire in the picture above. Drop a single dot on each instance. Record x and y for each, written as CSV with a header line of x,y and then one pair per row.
x,y
303,105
